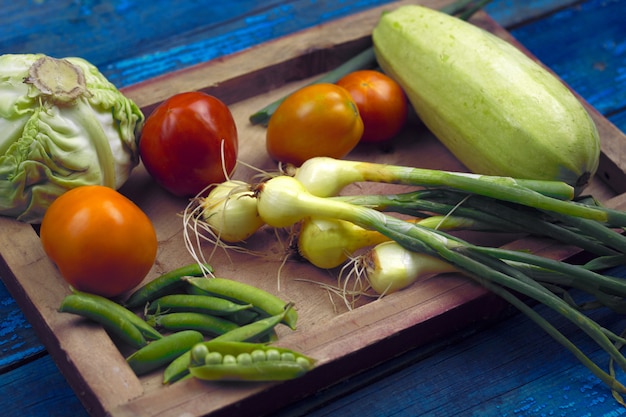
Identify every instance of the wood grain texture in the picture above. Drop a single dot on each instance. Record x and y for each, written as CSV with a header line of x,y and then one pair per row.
x,y
532,396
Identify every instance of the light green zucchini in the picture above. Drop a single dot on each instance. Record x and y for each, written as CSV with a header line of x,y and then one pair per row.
x,y
498,111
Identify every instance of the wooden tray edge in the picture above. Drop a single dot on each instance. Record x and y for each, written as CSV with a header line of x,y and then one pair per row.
x,y
94,400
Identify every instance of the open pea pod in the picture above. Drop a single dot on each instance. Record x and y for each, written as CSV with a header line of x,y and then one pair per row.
x,y
241,361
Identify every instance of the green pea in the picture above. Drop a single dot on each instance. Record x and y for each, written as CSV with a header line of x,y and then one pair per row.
x,y
165,284
258,355
229,360
273,355
243,293
261,371
163,351
303,362
198,353
244,358
213,358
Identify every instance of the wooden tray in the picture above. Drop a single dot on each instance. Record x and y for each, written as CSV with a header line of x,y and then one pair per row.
x,y
345,342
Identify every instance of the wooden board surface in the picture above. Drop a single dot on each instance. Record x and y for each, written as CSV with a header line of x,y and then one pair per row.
x,y
345,342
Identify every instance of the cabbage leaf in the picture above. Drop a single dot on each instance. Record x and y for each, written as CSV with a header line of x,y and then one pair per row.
x,y
62,125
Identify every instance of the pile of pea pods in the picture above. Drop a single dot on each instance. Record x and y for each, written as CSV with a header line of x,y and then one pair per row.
x,y
192,325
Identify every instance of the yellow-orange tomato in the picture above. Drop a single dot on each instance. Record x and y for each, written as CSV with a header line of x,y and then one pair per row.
x,y
317,120
381,102
101,241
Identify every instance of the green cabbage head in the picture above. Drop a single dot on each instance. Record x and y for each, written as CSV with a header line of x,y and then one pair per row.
x,y
62,125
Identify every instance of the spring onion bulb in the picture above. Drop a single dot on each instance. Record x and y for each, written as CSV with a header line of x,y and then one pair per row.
x,y
230,211
328,243
389,267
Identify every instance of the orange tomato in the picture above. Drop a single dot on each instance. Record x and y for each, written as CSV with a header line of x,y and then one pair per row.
x,y
381,101
317,120
100,241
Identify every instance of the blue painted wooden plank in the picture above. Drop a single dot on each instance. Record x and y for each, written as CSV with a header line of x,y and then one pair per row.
x,y
511,369
527,402
144,47
512,12
594,64
38,389
148,44
619,120
17,338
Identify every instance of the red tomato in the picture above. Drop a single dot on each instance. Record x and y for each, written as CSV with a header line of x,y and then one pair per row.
x,y
189,142
101,241
317,120
381,102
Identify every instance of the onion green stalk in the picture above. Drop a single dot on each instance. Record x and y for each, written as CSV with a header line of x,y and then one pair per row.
x,y
502,216
325,177
283,201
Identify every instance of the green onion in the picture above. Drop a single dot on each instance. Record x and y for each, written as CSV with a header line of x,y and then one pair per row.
x,y
283,201
328,243
325,177
389,267
230,210
500,215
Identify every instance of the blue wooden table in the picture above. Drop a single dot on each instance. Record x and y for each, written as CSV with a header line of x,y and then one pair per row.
x,y
509,368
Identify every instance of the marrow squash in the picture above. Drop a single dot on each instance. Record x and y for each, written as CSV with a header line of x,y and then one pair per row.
x,y
498,111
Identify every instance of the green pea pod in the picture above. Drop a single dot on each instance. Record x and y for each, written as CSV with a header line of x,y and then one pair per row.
x,y
266,371
93,309
257,330
161,352
165,284
240,361
244,317
179,368
104,303
196,303
204,323
243,293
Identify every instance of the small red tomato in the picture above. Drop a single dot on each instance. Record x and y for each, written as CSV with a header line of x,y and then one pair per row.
x,y
316,120
381,102
100,240
188,142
